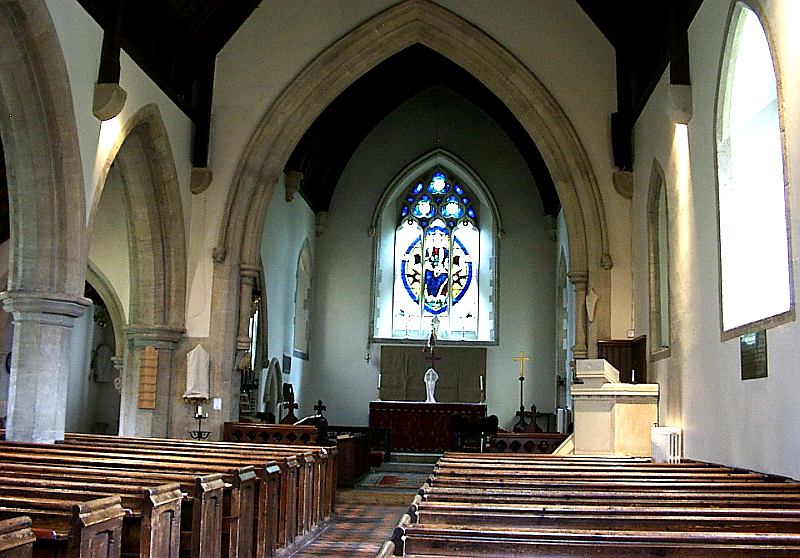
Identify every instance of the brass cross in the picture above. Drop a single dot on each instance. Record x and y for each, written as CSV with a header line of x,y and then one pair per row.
x,y
522,359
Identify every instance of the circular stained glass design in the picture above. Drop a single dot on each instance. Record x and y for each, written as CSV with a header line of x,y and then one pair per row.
x,y
451,209
438,184
442,274
424,208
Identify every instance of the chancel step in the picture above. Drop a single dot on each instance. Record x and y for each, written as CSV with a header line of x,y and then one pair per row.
x,y
416,457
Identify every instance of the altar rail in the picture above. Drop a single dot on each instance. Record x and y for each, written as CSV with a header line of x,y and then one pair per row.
x,y
271,433
526,442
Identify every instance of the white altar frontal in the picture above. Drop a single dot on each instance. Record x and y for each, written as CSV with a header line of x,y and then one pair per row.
x,y
612,418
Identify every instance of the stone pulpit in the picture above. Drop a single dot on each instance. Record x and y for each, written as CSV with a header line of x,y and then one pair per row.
x,y
611,418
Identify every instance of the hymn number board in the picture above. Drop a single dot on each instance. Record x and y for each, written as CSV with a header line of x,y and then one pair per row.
x,y
403,370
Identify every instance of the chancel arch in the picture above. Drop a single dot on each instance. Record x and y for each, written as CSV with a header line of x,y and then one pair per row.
x,y
406,24
143,164
47,215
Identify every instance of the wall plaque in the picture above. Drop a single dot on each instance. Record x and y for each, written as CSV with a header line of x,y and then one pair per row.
x,y
148,377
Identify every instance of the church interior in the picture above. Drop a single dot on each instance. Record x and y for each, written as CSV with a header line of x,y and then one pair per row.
x,y
399,212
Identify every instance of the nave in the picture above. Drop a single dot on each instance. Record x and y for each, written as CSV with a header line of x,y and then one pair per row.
x,y
357,531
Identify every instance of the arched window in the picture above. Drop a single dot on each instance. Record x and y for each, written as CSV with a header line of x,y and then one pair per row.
x,y
755,271
435,249
658,240
302,303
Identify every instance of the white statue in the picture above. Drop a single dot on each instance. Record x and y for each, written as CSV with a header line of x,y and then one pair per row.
x,y
431,377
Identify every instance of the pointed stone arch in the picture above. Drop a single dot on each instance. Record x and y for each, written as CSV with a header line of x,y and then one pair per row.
x,y
47,214
45,177
143,154
143,161
329,74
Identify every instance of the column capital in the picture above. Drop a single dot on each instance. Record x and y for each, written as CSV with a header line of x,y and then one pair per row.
x,y
249,271
159,336
578,278
47,308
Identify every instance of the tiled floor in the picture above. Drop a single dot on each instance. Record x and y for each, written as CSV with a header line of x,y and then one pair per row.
x,y
357,531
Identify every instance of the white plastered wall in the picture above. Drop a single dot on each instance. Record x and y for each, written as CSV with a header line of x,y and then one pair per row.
x,y
753,423
286,228
339,373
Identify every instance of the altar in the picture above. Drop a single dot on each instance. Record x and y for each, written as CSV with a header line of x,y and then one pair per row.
x,y
417,426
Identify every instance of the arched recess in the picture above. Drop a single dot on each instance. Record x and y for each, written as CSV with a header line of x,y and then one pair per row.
x,y
45,178
155,219
426,23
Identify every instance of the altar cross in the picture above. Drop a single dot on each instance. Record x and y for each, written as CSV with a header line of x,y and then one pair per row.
x,y
319,407
433,358
522,359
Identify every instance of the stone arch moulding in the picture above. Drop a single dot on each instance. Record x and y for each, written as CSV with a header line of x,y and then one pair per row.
x,y
426,23
103,287
45,178
155,219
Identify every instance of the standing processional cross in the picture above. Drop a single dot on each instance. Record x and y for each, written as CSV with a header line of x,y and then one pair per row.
x,y
522,359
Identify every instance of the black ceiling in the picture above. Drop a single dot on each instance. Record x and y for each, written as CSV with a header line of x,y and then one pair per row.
x,y
330,142
176,41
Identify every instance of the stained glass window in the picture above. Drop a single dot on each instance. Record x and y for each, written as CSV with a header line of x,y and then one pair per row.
x,y
437,245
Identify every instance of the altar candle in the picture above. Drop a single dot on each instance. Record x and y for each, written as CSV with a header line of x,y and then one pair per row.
x,y
200,410
633,375
481,379
379,380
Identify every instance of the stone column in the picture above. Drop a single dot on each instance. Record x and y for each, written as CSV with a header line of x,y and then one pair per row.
x,y
579,279
134,421
37,392
248,275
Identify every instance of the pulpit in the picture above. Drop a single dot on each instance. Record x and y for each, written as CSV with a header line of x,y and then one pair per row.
x,y
417,426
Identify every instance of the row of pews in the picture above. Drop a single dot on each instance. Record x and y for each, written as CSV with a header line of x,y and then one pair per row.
x,y
96,496
542,505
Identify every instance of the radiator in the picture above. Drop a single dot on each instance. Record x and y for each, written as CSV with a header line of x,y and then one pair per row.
x,y
562,420
666,444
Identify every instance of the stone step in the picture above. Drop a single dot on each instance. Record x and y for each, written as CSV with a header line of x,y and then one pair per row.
x,y
400,467
415,457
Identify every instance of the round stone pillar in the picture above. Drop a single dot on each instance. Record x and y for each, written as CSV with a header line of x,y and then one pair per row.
x,y
37,392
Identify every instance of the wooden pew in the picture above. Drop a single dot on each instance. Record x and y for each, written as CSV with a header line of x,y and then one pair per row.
x,y
16,537
90,528
625,518
413,540
278,520
321,466
622,498
151,526
206,504
311,496
541,507
238,504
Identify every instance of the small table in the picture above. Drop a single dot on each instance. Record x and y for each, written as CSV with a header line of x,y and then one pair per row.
x,y
418,426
